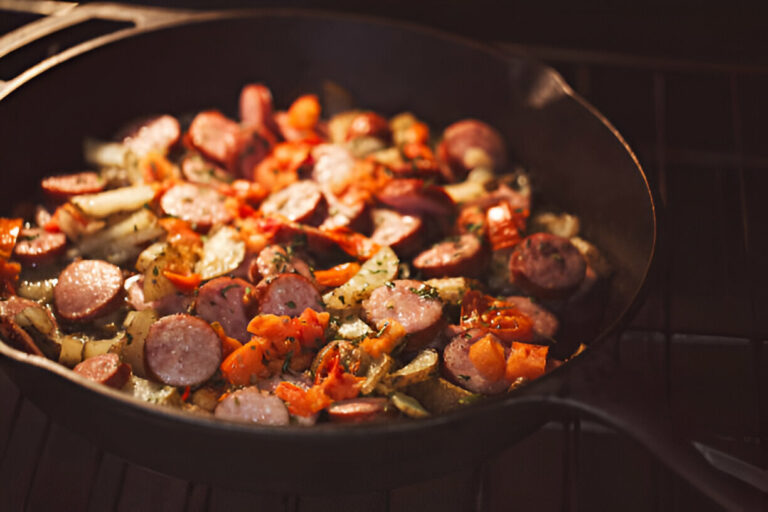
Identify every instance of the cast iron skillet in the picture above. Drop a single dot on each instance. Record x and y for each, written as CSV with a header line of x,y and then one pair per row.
x,y
182,62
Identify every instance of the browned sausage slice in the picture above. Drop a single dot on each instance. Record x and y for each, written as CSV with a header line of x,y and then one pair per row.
x,y
369,124
300,202
415,196
469,143
199,205
36,245
545,323
403,233
288,294
105,369
87,289
547,266
249,405
217,138
274,260
158,134
225,300
14,333
411,303
182,350
68,185
256,107
458,367
361,410
461,257
346,213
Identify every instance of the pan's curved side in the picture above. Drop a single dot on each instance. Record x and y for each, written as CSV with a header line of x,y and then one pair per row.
x,y
186,68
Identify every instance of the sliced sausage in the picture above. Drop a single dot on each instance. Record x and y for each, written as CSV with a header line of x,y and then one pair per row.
x,y
471,143
169,304
105,369
288,294
403,233
199,205
369,124
301,380
300,202
68,185
250,405
547,266
285,232
545,323
459,368
87,289
256,145
412,304
334,166
36,245
461,257
415,196
14,333
225,300
347,212
218,138
274,260
197,169
158,134
182,350
361,410
256,107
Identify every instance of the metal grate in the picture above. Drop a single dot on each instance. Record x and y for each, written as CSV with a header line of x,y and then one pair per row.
x,y
701,333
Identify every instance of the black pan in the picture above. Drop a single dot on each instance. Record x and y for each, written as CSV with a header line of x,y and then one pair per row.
x,y
179,63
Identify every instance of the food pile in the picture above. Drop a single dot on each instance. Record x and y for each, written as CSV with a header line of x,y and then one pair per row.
x,y
295,268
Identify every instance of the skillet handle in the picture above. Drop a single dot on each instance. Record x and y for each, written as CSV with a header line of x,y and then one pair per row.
x,y
599,390
62,15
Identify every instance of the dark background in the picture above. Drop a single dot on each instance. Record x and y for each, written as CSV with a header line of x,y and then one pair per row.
x,y
686,84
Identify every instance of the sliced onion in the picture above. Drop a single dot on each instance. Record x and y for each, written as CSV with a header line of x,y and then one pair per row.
x,y
125,199
222,253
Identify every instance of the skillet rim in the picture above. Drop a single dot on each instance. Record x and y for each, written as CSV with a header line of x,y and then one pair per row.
x,y
487,405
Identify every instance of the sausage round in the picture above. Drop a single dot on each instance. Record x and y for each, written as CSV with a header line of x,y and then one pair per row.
x,y
415,196
14,333
274,260
158,133
545,323
36,245
369,124
462,257
547,266
225,300
217,138
361,410
105,369
87,289
288,294
346,213
199,205
256,107
458,367
182,350
250,405
403,233
469,143
409,303
300,202
66,186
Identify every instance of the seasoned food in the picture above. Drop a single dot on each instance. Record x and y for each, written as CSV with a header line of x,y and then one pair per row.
x,y
292,268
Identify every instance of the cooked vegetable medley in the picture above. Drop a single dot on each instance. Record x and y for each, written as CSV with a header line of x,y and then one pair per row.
x,y
298,266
